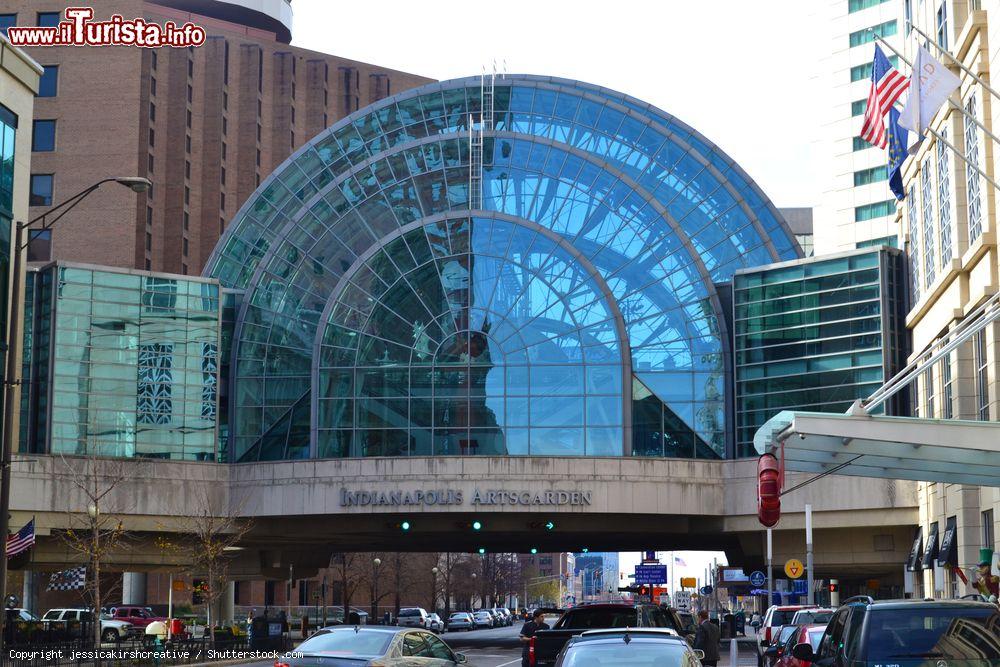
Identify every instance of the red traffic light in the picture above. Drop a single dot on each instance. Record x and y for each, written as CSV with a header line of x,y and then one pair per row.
x,y
768,490
833,588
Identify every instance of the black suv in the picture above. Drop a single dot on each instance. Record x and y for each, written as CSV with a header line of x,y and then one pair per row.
x,y
907,633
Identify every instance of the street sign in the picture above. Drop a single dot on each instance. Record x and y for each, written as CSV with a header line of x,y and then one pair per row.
x,y
800,587
758,578
682,600
689,582
650,574
794,568
706,590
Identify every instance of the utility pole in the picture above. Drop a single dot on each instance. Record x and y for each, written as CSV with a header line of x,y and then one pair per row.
x,y
811,594
770,570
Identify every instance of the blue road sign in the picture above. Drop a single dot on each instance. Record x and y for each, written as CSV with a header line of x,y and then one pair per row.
x,y
706,590
758,578
651,574
800,586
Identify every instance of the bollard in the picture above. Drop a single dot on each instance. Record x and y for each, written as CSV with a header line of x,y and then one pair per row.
x,y
734,652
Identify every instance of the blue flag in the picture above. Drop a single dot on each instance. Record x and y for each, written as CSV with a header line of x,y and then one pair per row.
x,y
897,153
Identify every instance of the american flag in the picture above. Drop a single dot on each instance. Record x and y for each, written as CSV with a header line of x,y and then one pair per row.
x,y
22,541
887,85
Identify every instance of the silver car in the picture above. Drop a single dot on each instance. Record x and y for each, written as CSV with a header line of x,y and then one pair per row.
x,y
461,620
434,623
413,617
483,619
367,644
642,646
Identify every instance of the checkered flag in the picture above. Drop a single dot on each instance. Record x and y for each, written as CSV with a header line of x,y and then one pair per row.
x,y
68,580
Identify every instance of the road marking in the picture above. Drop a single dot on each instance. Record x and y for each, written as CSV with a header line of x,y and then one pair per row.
x,y
508,663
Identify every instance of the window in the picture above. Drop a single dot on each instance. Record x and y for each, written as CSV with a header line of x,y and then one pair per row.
x,y
222,175
944,200
947,388
913,247
225,101
873,175
152,111
187,195
293,115
223,150
860,144
152,137
971,175
43,135
150,162
876,210
154,404
861,72
866,35
258,131
152,86
149,216
152,59
185,247
927,208
190,68
189,118
225,68
48,19
187,220
149,241
222,200
929,393
858,107
6,21
258,157
190,94
908,15
891,241
982,376
989,537
941,23
49,82
187,169
40,245
41,190
225,126
187,144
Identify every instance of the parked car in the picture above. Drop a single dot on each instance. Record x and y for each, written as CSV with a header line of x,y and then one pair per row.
x,y
774,652
112,630
20,614
372,644
775,617
908,633
460,620
140,617
813,616
505,617
643,646
434,623
413,617
810,634
483,619
547,644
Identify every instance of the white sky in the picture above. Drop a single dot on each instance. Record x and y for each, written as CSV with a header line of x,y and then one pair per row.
x,y
694,565
738,71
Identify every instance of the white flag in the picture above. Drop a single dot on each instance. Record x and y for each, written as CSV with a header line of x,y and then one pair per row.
x,y
930,85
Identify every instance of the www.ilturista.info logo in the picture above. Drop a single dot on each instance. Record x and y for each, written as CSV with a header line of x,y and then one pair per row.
x,y
80,30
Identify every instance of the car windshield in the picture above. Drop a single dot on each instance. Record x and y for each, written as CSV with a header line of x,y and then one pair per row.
x,y
785,633
956,633
457,615
636,653
598,618
779,617
811,617
367,644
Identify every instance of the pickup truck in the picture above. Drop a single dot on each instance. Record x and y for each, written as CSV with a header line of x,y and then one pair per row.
x,y
546,644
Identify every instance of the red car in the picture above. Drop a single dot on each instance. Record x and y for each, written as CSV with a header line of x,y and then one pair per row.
x,y
140,617
804,634
775,617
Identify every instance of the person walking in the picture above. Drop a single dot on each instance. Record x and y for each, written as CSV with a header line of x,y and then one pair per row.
x,y
706,639
536,623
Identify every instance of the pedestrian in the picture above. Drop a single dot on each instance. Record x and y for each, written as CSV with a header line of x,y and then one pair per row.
x,y
536,623
707,639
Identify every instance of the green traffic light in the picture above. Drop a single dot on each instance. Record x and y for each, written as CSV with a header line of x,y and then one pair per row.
x,y
550,526
405,525
477,525
482,550
585,550
534,551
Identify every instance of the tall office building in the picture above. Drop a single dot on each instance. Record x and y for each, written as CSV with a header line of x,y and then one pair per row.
x,y
204,124
857,208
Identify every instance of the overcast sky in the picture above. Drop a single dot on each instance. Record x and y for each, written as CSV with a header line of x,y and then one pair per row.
x,y
737,71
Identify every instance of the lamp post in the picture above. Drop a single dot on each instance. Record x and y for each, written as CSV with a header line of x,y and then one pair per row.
x,y
375,563
11,375
434,584
474,591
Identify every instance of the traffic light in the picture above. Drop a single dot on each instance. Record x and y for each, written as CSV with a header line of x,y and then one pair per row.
x,y
549,525
832,587
768,490
534,550
482,550
585,550
404,526
477,525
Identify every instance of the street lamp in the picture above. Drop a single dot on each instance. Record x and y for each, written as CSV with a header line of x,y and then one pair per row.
x,y
474,589
11,372
434,585
375,563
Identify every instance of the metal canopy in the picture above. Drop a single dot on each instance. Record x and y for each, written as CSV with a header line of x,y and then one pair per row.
x,y
858,444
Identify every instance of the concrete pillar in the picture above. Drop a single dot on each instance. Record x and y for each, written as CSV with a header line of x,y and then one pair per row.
x,y
29,592
227,604
134,588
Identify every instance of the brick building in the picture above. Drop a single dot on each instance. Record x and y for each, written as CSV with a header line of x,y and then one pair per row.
x,y
204,124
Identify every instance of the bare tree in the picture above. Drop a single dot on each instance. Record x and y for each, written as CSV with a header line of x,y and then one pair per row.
x,y
93,529
345,567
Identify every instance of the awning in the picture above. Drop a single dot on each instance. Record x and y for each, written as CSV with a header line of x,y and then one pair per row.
x,y
931,550
916,551
923,450
948,552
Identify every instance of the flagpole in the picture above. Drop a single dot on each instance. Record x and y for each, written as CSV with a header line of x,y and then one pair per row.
x,y
954,105
955,60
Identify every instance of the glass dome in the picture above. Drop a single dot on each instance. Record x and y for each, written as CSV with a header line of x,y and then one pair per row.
x,y
568,307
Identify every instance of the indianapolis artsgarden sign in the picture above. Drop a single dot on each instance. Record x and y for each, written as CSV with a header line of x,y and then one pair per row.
x,y
479,498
